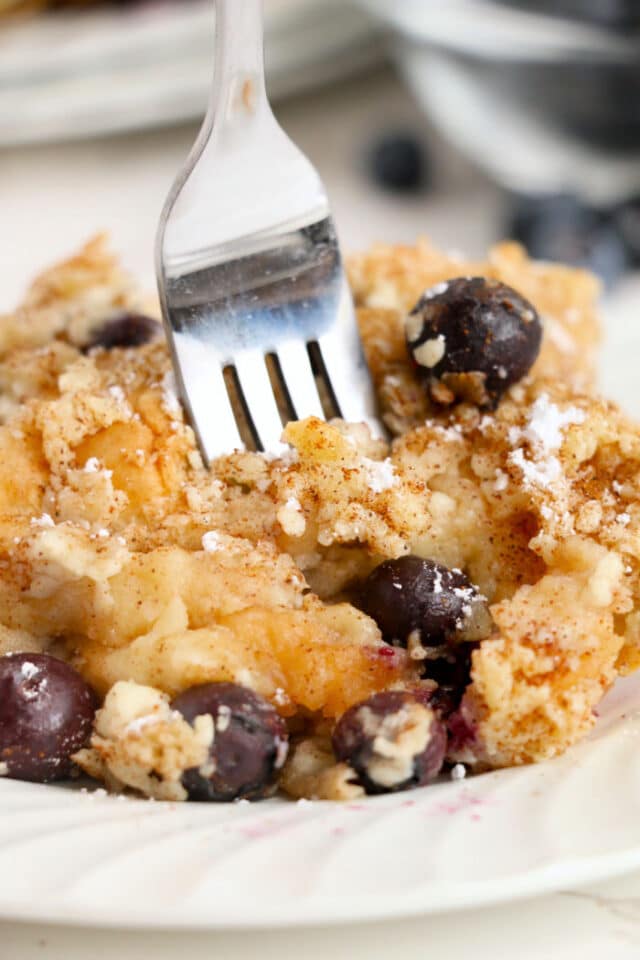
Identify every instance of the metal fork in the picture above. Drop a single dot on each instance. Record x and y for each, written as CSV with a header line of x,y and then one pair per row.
x,y
255,301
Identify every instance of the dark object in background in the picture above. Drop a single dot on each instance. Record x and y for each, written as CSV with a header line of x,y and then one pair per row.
x,y
616,14
399,162
627,220
560,227
595,98
595,101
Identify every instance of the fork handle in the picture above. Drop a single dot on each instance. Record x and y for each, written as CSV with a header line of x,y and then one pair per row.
x,y
238,79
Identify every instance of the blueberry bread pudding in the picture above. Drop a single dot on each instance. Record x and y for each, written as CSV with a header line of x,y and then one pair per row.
x,y
344,615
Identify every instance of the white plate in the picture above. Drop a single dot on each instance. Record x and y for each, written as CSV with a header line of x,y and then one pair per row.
x,y
115,69
89,858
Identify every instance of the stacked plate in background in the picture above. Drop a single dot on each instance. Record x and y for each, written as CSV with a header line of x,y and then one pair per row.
x,y
99,71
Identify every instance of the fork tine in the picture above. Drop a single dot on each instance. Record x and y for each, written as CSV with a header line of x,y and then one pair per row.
x,y
346,367
350,379
299,378
204,390
256,386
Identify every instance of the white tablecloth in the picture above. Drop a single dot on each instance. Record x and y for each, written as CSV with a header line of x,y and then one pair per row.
x,y
51,199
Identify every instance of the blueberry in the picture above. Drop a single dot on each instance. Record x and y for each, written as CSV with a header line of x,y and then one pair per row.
x,y
462,729
249,746
46,714
452,672
399,162
412,596
560,227
392,741
124,330
471,338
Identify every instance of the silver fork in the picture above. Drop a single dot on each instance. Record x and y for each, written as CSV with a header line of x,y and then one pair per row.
x,y
255,301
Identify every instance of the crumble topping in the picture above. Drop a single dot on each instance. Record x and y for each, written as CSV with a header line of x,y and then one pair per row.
x,y
154,574
139,742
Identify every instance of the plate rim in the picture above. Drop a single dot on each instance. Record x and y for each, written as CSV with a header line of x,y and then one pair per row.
x,y
556,878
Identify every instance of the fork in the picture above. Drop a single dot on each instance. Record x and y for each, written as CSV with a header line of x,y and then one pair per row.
x,y
256,306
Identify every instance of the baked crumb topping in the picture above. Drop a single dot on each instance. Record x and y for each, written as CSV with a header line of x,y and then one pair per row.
x,y
150,574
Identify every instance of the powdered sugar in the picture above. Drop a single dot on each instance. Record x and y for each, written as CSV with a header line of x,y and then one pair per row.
x,y
93,466
380,474
212,541
45,520
437,289
539,473
29,670
501,481
546,423
280,697
117,393
544,434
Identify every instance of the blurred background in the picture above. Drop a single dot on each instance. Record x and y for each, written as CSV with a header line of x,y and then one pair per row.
x,y
466,120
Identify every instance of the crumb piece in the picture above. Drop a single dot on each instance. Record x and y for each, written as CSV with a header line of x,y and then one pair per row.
x,y
141,743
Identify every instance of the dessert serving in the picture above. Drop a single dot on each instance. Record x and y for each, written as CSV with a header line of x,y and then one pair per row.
x,y
341,616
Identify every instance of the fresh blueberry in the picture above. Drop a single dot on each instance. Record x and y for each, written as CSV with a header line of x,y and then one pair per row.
x,y
471,338
124,330
46,714
561,228
413,596
249,746
392,741
399,163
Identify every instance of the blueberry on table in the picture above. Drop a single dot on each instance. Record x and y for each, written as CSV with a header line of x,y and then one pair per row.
x,y
46,715
471,338
399,162
413,596
392,741
124,330
249,745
